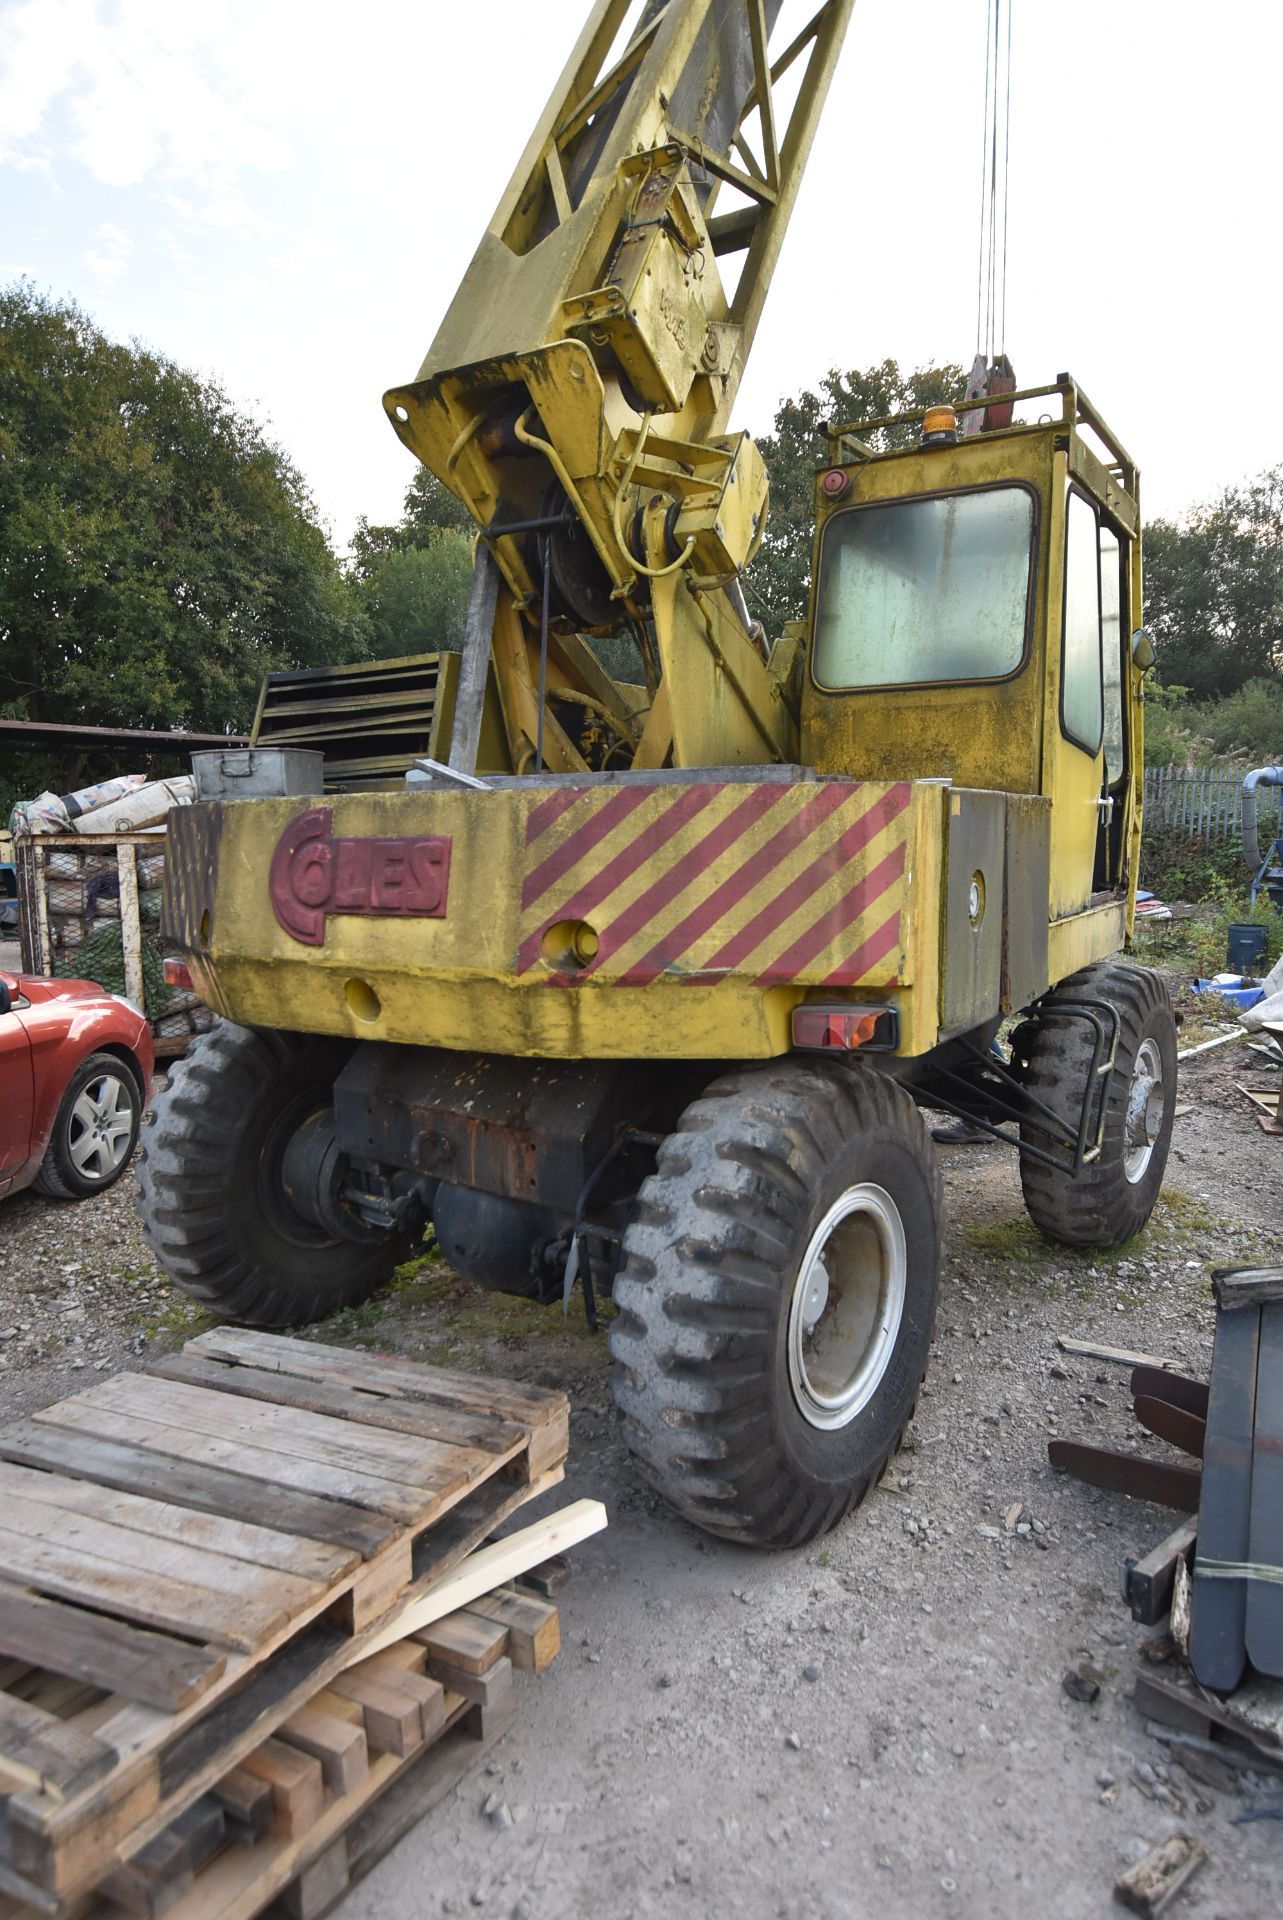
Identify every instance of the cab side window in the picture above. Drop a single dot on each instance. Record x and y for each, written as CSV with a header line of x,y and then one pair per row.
x,y
1081,688
1111,652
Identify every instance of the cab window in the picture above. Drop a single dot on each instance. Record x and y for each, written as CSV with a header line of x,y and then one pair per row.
x,y
916,592
1081,703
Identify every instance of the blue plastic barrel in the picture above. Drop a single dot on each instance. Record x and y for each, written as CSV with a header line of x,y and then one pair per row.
x,y
1246,948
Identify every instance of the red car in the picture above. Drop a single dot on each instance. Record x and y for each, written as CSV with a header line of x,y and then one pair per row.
x,y
75,1073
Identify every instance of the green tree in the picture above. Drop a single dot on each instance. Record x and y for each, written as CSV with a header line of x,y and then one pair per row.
x,y
779,580
430,510
1214,590
416,597
158,554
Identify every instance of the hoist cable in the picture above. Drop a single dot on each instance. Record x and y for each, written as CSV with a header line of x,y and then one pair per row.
x,y
995,176
984,182
1006,177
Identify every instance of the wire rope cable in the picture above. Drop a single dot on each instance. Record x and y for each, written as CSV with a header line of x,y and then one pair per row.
x,y
995,180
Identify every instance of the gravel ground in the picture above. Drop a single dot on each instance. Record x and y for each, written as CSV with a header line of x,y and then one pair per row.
x,y
873,1725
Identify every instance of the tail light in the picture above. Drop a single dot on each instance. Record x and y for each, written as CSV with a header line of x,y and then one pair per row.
x,y
826,1029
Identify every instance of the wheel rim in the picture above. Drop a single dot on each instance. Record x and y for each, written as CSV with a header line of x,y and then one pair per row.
x,y
847,1306
1146,1106
101,1128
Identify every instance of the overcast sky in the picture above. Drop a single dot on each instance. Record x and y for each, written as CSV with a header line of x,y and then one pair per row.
x,y
285,195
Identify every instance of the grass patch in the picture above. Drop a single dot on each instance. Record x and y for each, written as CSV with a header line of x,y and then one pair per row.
x,y
1176,1222
1187,1214
176,1318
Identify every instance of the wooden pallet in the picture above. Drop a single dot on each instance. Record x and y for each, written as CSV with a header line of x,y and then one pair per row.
x,y
207,1545
313,1807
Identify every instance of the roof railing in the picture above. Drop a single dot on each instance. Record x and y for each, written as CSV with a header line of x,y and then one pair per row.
x,y
849,440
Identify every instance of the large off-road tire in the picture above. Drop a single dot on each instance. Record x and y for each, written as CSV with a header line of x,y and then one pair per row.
x,y
213,1201
1112,1196
776,1299
95,1132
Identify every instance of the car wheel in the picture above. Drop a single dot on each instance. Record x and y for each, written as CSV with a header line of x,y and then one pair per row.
x,y
95,1132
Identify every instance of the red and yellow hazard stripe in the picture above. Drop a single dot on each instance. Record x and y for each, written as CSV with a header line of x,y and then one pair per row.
x,y
769,883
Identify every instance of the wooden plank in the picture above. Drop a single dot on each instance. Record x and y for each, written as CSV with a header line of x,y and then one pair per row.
x,y
129,1660
465,1640
248,1804
46,1753
430,1698
315,1890
291,1431
65,1699
1121,1356
298,1791
1237,1287
482,1689
1149,1886
381,1373
150,1881
1217,1636
264,1546
1150,1581
403,1503
337,1707
1178,1388
153,1878
500,1438
204,1489
392,1716
167,1761
175,1606
285,1593
334,1741
203,1827
533,1626
377,1586
403,1656
91,1827
394,1796
549,1577
493,1566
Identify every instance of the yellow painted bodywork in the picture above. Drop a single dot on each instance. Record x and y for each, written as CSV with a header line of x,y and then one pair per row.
x,y
713,910
1006,735
1077,939
686,918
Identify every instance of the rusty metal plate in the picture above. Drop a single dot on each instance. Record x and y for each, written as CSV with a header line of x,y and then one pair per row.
x,y
1175,1424
1156,1480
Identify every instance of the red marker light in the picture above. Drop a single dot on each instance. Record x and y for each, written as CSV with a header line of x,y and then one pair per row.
x,y
835,483
822,1029
178,974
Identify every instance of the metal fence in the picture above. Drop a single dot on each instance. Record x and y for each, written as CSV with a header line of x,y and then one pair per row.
x,y
1205,803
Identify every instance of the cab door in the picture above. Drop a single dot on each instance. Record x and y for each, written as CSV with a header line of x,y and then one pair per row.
x,y
1079,742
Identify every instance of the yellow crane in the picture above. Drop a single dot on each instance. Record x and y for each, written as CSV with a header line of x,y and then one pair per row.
x,y
641,985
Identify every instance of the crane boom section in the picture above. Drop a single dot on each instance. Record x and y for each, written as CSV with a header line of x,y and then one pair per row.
x,y
579,385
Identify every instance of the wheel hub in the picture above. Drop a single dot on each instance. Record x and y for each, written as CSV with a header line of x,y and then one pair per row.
x,y
1146,1106
101,1129
847,1307
312,1176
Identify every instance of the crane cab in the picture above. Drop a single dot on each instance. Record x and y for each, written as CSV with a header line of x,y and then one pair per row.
x,y
974,603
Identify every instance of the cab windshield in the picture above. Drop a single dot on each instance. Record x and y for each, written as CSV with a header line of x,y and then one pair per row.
x,y
919,591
